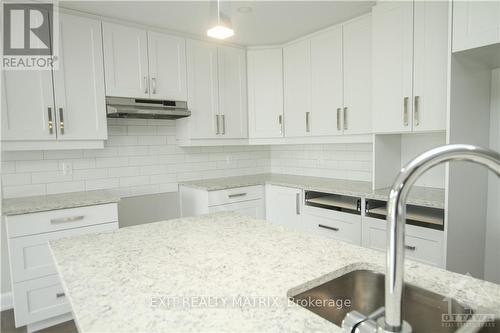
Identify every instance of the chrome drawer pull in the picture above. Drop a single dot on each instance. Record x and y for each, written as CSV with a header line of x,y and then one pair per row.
x,y
67,219
236,195
59,295
297,203
410,247
327,227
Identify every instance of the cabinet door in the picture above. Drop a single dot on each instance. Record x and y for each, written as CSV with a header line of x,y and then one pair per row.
x,y
475,24
27,105
284,205
232,92
430,61
357,115
79,81
392,66
125,61
297,88
203,90
326,82
167,66
265,93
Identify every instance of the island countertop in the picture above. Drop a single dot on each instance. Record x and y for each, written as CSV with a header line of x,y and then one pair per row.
x,y
160,277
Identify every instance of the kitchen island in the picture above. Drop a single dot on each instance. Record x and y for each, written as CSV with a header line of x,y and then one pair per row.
x,y
221,273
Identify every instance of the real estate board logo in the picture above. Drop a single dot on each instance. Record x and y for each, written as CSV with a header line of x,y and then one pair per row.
x,y
29,36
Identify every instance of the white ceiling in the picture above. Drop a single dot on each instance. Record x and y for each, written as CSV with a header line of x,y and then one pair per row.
x,y
269,22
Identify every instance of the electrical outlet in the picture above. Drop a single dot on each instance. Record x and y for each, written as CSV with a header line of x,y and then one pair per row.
x,y
228,159
67,168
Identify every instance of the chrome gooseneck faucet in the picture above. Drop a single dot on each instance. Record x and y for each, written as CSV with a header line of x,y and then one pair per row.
x,y
396,217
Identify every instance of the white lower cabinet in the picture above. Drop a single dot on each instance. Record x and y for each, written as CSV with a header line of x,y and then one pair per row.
x,y
284,206
39,299
333,224
248,200
421,244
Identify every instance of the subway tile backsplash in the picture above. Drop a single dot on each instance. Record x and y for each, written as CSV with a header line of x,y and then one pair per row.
x,y
141,157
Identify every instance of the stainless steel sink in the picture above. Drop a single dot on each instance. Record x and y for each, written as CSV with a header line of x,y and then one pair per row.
x,y
422,309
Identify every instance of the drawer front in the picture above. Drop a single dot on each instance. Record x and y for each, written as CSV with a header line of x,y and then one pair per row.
x,y
252,208
55,220
39,299
337,229
235,195
332,214
424,245
30,255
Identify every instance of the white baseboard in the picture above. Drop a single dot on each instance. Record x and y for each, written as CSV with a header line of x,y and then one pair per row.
x,y
6,301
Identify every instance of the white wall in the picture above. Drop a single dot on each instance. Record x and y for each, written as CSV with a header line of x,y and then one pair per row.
x,y
492,248
140,157
343,161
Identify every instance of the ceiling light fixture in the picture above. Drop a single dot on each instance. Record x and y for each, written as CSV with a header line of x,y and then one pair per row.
x,y
222,28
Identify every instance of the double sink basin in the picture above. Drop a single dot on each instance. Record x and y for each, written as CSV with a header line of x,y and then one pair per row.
x,y
363,291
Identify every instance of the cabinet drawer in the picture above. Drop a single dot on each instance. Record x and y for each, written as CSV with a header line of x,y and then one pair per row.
x,y
39,299
422,244
237,194
252,208
31,257
54,220
333,228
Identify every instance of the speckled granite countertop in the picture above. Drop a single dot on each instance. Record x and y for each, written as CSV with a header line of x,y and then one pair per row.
x,y
150,278
421,196
26,205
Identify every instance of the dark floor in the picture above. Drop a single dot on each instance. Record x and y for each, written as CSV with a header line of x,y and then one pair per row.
x,y
7,325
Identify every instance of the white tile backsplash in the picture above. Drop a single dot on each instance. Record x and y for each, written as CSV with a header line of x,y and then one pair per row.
x,y
141,157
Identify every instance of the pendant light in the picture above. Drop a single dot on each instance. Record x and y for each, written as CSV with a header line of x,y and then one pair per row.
x,y
222,27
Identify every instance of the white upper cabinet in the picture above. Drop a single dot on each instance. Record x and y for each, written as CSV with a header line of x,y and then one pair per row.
x,y
475,24
297,88
430,65
326,82
392,66
203,90
217,94
167,66
26,118
79,81
357,114
125,61
265,93
232,92
65,108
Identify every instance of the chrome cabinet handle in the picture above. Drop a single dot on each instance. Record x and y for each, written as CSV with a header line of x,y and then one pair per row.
x,y
61,121
410,247
327,227
338,120
59,295
217,131
235,195
67,219
223,124
280,122
297,203
308,127
146,85
51,124
416,110
405,111
153,84
345,118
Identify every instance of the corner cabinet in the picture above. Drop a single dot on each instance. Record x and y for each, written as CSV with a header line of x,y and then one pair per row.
x,y
144,64
410,66
217,95
66,108
284,206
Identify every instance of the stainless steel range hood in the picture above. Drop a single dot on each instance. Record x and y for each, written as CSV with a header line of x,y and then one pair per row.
x,y
122,107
